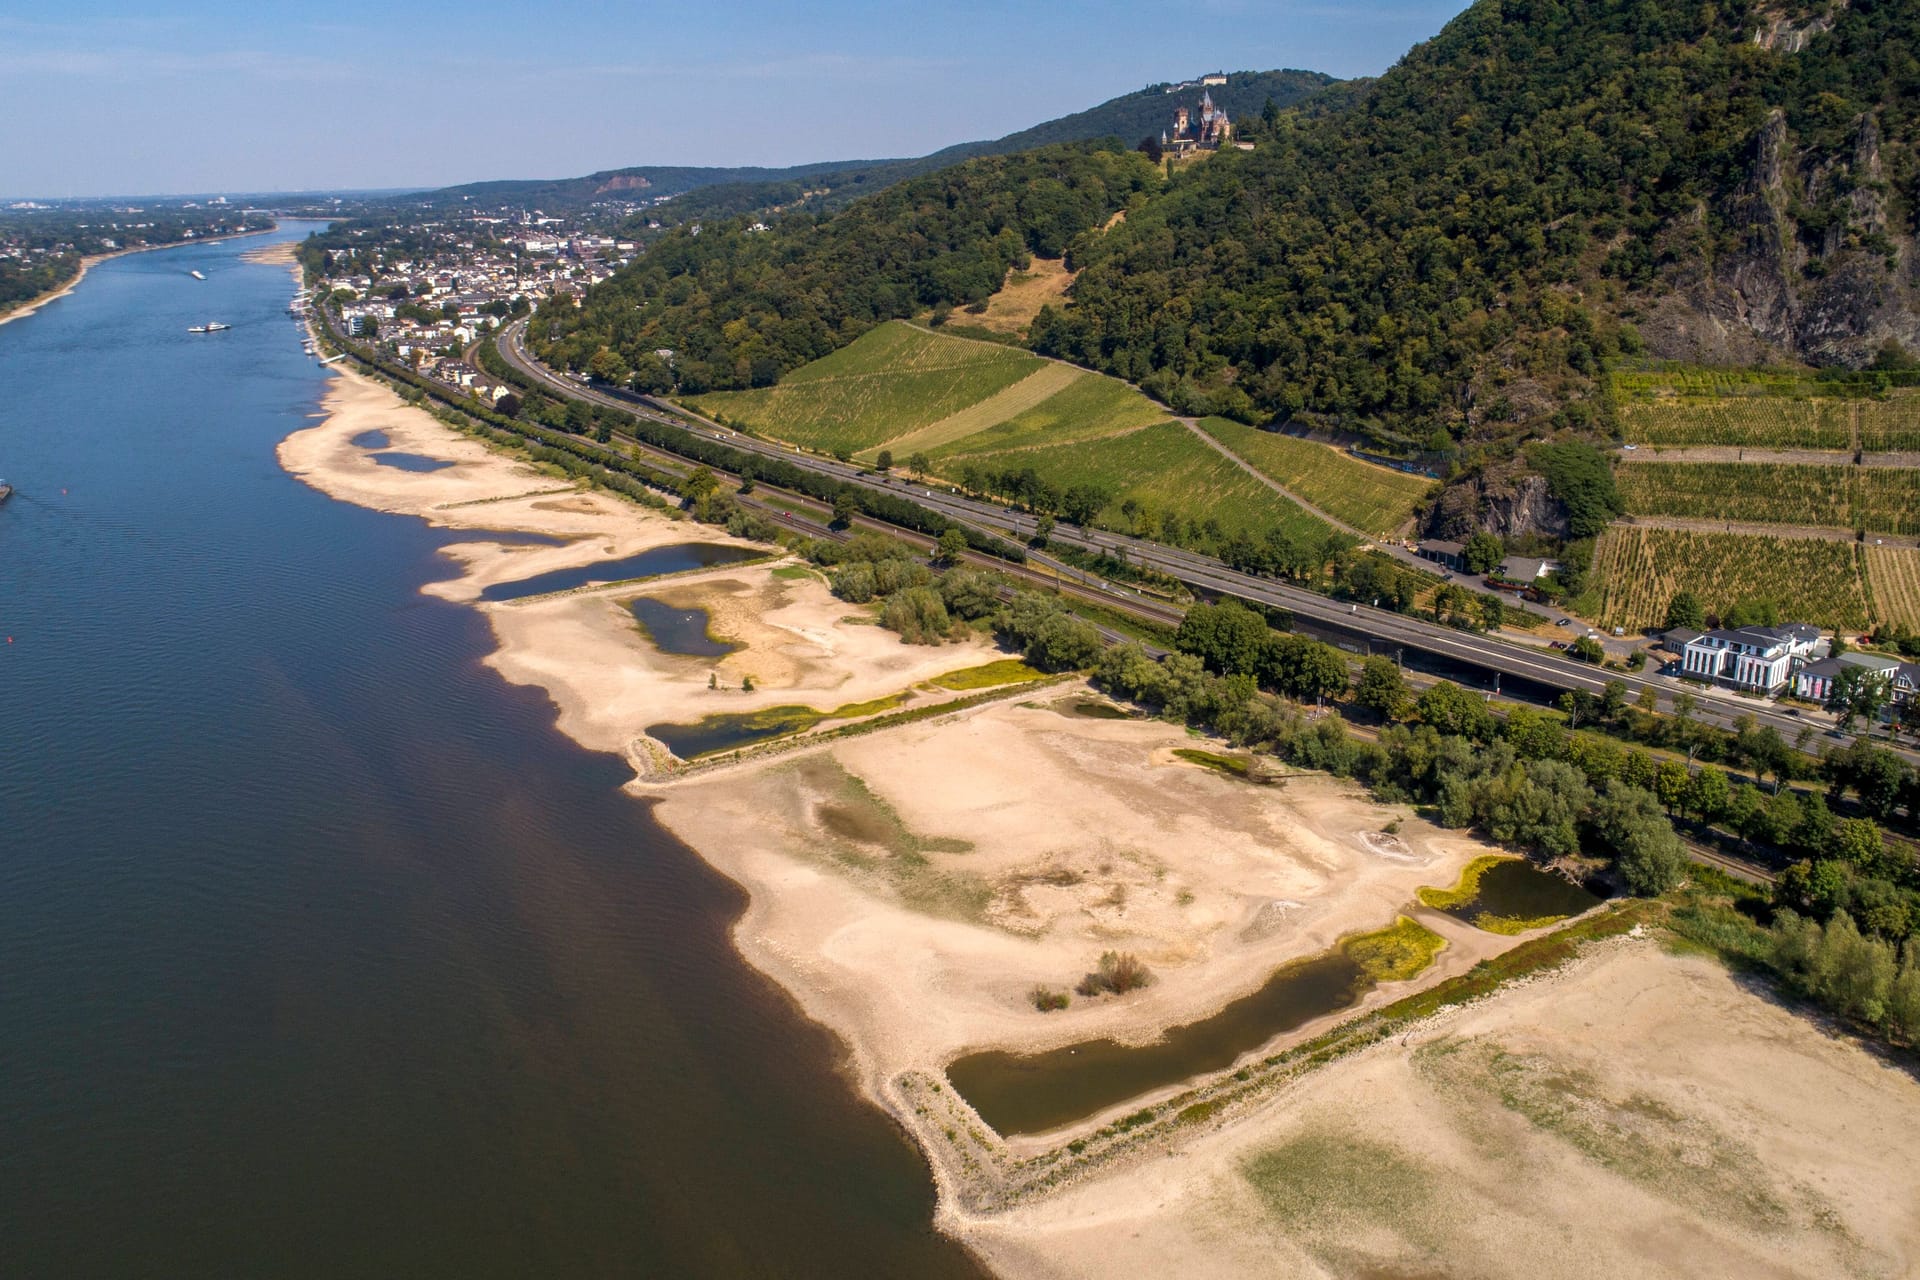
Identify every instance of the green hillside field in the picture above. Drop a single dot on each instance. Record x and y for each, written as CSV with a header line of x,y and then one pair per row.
x,y
1375,500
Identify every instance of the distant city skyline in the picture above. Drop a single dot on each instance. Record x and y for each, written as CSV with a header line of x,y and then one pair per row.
x,y
223,96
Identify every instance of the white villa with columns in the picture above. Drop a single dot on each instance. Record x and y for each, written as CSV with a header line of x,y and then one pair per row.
x,y
1757,659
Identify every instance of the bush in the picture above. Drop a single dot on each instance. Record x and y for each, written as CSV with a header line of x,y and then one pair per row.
x,y
918,614
1047,1000
1119,973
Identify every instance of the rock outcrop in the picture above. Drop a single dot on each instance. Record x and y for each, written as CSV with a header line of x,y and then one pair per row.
x,y
1506,500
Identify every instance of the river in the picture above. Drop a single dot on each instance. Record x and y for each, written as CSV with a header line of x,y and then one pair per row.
x,y
321,952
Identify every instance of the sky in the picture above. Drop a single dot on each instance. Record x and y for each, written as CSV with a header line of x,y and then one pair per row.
x,y
202,96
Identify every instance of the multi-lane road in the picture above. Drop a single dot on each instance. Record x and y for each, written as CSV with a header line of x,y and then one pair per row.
x,y
1378,630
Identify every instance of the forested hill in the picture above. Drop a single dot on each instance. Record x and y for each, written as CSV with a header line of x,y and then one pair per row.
x,y
741,308
1543,185
834,182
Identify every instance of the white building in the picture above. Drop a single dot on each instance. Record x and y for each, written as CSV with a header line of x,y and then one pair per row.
x,y
1758,659
1815,681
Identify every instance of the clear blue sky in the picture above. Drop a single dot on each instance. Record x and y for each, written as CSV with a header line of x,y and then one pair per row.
x,y
210,95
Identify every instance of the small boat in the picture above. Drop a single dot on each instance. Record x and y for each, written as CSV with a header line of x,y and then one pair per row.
x,y
213,327
196,275
197,328
6,491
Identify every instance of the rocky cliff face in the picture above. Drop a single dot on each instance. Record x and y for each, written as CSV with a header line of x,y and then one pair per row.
x,y
1505,500
1802,261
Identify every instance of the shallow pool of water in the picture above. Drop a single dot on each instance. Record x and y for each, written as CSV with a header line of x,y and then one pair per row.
x,y
647,564
729,731
1031,1093
374,439
1517,890
411,461
676,630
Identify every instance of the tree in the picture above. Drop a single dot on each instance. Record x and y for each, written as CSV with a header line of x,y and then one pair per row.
x,y
1042,531
606,366
917,463
1579,705
1493,612
1670,784
1858,693
1647,852
1228,637
918,614
1581,479
845,507
1381,688
1707,794
1587,649
884,460
1484,551
1613,701
952,546
1685,610
1859,843
700,484
1150,148
1455,712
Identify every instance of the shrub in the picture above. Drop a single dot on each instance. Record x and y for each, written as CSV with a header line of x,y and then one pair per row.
x,y
1047,1000
1119,973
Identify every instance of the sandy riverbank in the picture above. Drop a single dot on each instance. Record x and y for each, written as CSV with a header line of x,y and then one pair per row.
x,y
1636,1114
87,263
910,887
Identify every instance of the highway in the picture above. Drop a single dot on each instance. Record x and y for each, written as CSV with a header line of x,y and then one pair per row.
x,y
1380,630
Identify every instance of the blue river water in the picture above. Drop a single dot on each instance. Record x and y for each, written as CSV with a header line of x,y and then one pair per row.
x,y
321,952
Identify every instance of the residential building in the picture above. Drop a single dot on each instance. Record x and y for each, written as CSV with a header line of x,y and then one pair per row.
x,y
1757,659
1815,680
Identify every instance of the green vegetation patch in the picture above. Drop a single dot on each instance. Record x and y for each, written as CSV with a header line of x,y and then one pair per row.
x,y
1680,1157
1329,1185
797,573
1005,671
1232,766
868,836
1402,950
1376,500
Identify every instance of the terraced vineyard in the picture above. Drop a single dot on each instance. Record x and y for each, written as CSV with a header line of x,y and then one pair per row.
x,y
910,391
1752,422
1164,469
1891,425
1877,499
1640,569
1894,575
1373,499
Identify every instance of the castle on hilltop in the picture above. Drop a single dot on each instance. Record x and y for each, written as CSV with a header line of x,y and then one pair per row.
x,y
1210,132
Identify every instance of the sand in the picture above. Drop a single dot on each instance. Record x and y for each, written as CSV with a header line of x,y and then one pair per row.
x,y
1634,1114
608,683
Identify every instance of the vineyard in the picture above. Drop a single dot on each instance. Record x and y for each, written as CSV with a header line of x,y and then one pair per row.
x,y
1876,499
1894,574
910,391
1638,570
1753,422
891,381
1165,471
1373,499
1891,425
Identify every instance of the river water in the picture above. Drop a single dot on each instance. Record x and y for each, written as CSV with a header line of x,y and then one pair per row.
x,y
321,952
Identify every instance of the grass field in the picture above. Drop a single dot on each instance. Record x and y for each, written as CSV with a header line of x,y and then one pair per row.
x,y
891,381
1893,573
910,391
1638,570
1166,470
1877,499
1044,283
1375,500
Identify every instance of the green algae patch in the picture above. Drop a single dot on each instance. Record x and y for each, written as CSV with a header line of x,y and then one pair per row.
x,y
992,675
1402,950
1466,890
1231,766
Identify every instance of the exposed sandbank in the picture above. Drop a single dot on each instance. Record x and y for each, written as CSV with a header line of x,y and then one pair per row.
x,y
909,887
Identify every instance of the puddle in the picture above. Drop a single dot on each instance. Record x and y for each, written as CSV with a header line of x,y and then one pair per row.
x,y
647,564
676,630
